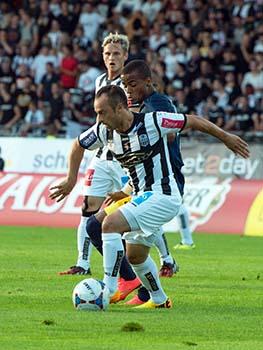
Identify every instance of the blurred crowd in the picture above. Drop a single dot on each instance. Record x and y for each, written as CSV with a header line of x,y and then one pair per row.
x,y
209,54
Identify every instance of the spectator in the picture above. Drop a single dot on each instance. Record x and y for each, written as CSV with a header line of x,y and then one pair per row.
x,y
220,93
10,36
40,61
258,116
214,113
34,120
231,87
29,30
150,8
71,117
7,75
48,79
54,121
23,57
137,27
25,94
68,68
254,77
90,19
10,113
88,76
55,34
44,19
67,19
242,117
79,39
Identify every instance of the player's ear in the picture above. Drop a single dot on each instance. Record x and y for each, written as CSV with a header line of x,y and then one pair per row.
x,y
148,82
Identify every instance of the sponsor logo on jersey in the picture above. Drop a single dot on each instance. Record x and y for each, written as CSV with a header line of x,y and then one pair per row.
x,y
172,124
89,139
144,140
89,177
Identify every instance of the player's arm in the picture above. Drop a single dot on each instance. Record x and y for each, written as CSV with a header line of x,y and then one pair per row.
x,y
87,140
65,187
233,142
175,122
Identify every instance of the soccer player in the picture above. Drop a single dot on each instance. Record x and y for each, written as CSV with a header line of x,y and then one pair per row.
x,y
103,173
104,168
139,143
137,81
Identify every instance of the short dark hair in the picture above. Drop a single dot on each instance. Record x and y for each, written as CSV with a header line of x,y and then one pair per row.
x,y
115,94
138,66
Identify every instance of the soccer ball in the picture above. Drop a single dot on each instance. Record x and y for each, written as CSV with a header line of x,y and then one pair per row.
x,y
91,295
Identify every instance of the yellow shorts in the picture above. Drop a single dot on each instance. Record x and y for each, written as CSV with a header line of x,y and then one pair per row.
x,y
115,205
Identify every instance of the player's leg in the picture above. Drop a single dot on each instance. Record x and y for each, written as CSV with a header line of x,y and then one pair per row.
x,y
128,280
112,227
97,183
148,212
168,268
168,264
147,271
187,242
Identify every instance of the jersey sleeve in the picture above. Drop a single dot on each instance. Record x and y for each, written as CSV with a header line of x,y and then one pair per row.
x,y
169,122
92,138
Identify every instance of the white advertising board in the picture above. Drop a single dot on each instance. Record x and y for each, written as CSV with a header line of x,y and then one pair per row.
x,y
38,155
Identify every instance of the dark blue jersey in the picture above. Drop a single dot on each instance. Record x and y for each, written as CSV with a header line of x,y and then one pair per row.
x,y
160,102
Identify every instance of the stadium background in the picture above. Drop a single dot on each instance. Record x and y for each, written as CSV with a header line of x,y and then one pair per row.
x,y
209,56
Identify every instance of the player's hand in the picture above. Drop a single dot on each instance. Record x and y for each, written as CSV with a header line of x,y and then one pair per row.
x,y
114,197
237,145
61,190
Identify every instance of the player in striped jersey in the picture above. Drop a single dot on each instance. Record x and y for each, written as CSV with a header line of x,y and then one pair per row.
x,y
139,142
104,173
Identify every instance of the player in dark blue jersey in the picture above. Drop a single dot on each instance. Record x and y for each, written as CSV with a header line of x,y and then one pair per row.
x,y
140,85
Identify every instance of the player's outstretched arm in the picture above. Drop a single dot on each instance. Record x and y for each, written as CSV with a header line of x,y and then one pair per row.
x,y
65,187
233,142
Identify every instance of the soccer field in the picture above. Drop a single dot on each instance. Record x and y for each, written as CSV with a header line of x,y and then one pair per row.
x,y
217,296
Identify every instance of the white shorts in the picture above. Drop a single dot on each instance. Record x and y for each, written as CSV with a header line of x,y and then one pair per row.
x,y
102,177
147,213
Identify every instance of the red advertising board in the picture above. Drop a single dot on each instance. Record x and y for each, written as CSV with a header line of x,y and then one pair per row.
x,y
234,206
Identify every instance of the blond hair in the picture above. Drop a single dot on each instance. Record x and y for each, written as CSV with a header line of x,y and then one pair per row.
x,y
117,39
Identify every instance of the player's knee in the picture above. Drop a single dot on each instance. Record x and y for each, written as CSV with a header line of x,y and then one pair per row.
x,y
135,258
109,225
91,205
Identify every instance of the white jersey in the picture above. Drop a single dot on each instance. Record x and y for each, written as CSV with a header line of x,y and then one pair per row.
x,y
102,80
142,149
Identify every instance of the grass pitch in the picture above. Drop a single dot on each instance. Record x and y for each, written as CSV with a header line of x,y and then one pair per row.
x,y
217,296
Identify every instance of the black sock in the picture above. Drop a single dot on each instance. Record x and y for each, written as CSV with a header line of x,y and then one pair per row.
x,y
94,231
143,294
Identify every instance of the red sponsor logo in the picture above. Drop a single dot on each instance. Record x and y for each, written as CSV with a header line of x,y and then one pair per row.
x,y
89,177
172,124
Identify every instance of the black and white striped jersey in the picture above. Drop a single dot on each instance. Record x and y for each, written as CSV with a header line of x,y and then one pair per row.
x,y
104,153
142,149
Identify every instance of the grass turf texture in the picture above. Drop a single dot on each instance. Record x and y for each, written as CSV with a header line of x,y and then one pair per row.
x,y
218,297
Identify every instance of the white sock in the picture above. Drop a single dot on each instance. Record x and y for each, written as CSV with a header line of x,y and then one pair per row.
x,y
183,221
84,244
113,252
148,274
162,247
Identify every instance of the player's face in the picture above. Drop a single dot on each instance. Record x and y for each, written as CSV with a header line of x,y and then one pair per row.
x,y
114,58
135,88
105,113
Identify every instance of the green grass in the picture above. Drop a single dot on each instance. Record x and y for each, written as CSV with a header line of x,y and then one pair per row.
x,y
218,297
